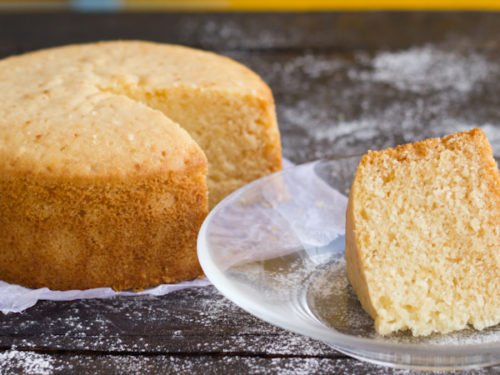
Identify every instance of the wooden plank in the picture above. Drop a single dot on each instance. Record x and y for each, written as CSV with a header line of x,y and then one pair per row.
x,y
15,361
191,321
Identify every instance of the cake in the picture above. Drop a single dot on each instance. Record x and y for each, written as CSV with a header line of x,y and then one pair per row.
x,y
111,155
423,235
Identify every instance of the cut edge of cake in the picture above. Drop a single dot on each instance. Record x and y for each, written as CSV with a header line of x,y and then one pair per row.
x,y
368,270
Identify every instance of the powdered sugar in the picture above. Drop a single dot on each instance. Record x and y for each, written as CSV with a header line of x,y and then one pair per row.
x,y
425,69
25,362
341,104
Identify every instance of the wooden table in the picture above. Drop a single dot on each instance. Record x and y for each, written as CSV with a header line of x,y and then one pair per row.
x,y
343,83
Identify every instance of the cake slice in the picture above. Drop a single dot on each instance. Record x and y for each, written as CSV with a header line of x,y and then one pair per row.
x,y
423,235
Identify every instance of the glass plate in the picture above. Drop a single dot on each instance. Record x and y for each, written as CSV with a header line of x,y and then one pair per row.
x,y
276,248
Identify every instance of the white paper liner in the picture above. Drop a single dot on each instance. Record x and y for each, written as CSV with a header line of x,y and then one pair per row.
x,y
275,217
15,298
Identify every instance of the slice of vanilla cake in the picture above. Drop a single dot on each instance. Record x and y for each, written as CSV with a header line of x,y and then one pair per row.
x,y
423,235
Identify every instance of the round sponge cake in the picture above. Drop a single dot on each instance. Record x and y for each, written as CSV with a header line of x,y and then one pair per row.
x,y
102,178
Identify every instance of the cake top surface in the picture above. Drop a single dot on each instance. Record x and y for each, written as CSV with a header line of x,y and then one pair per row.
x,y
62,110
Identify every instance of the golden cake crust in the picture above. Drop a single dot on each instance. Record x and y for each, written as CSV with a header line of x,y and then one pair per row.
x,y
85,233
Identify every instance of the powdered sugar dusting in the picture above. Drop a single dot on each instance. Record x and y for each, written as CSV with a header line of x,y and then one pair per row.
x,y
424,69
345,103
25,362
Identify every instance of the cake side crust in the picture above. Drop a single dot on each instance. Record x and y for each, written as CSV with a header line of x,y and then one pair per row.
x,y
80,234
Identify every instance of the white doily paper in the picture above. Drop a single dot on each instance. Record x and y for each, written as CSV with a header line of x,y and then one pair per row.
x,y
298,210
15,298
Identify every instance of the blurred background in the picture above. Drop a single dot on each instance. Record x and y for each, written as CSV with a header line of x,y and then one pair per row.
x,y
246,5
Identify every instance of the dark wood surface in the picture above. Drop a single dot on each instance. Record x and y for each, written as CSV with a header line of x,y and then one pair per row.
x,y
343,83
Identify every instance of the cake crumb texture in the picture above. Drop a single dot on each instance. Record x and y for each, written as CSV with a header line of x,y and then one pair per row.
x,y
423,235
111,154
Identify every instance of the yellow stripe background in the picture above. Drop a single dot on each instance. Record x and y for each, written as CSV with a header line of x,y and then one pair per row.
x,y
299,5
269,5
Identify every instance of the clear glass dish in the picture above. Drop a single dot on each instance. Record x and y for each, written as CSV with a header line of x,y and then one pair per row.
x,y
276,249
